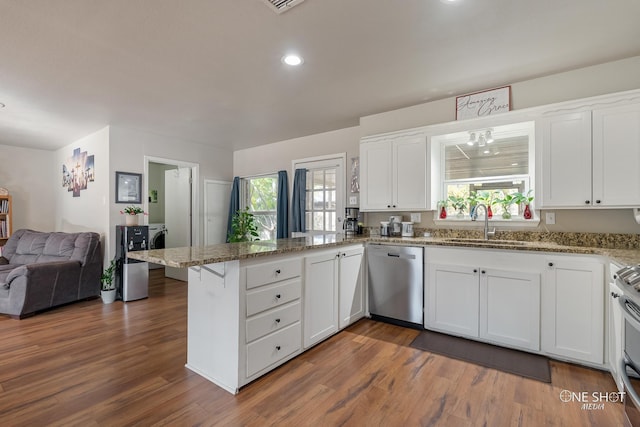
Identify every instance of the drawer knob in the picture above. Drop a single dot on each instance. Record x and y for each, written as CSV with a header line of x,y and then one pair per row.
x,y
475,270
615,295
277,320
278,296
278,271
550,264
278,347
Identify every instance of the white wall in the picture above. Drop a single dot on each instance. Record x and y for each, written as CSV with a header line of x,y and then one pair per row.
x,y
89,211
128,148
30,176
616,76
278,156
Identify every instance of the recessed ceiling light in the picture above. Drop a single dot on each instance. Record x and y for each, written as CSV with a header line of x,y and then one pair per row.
x,y
292,60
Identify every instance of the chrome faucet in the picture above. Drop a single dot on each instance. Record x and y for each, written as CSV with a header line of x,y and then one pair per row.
x,y
487,233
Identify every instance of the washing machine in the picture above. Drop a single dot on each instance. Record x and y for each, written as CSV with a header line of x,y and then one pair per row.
x,y
156,240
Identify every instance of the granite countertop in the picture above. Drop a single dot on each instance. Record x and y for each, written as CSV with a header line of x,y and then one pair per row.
x,y
618,249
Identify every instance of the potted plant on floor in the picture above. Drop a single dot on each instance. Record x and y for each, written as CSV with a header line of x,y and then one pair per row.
x,y
108,290
243,227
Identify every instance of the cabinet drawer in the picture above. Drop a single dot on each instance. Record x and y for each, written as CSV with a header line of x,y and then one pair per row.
x,y
270,272
273,296
273,348
272,321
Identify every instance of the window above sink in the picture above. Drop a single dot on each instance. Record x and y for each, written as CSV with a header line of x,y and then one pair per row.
x,y
484,165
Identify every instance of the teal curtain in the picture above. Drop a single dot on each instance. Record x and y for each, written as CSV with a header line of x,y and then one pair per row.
x,y
299,201
282,215
234,203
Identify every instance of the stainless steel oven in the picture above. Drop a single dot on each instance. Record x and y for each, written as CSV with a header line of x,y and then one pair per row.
x,y
631,360
628,278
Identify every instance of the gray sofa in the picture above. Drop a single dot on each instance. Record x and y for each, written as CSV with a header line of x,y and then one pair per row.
x,y
42,270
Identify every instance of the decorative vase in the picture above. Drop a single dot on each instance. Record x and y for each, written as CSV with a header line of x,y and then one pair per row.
x,y
443,213
108,296
527,212
506,215
489,212
460,214
131,219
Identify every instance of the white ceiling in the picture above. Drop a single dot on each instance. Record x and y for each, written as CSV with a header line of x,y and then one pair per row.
x,y
209,71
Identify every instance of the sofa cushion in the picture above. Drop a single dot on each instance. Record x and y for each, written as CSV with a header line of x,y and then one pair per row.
x,y
29,248
58,246
3,261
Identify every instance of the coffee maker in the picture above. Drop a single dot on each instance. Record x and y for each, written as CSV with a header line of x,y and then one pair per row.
x,y
350,224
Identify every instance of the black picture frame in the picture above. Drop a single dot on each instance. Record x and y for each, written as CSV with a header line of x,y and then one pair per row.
x,y
128,187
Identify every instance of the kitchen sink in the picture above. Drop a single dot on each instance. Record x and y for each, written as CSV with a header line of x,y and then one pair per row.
x,y
486,242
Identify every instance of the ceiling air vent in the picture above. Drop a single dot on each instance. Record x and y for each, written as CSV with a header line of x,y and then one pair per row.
x,y
280,6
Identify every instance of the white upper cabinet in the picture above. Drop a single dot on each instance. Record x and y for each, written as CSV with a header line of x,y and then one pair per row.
x,y
566,160
616,155
393,172
590,158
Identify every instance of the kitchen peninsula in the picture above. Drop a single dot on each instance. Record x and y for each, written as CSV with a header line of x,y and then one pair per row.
x,y
253,306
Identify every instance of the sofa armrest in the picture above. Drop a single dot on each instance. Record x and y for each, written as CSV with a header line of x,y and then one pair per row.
x,y
42,269
34,287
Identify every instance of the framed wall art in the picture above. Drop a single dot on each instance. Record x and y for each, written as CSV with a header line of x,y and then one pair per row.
x,y
128,187
482,104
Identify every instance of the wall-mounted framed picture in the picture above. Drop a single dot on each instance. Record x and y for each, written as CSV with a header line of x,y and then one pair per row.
x,y
128,187
484,103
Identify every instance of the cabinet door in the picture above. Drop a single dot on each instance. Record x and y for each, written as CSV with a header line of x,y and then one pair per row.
x,y
375,176
452,299
410,173
510,308
573,310
320,297
566,160
351,294
616,333
616,156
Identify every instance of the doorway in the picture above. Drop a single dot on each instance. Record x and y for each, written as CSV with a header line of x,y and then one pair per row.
x,y
171,198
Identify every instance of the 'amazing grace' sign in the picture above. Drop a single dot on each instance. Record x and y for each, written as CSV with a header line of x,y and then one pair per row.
x,y
482,104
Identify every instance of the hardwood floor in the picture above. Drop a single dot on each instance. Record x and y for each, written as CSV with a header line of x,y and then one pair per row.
x,y
89,364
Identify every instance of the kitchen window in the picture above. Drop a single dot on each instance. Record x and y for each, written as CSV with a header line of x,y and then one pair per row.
x,y
489,164
260,195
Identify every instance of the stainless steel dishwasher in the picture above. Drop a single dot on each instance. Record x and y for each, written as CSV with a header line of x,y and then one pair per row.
x,y
396,286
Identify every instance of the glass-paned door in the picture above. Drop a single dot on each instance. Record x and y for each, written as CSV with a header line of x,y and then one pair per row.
x,y
324,211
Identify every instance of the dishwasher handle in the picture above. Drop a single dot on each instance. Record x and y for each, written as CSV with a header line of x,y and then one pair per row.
x,y
398,255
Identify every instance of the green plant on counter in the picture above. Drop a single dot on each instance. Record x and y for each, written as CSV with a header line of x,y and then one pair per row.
x,y
243,227
108,276
458,203
520,198
505,200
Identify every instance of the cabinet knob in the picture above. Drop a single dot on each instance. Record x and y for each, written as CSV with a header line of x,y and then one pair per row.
x,y
550,264
277,320
475,270
388,206
615,295
278,347
278,296
483,272
278,271
615,276
586,202
597,201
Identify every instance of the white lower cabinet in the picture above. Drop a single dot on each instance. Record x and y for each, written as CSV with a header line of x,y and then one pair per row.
x,y
495,305
244,318
510,308
573,309
333,292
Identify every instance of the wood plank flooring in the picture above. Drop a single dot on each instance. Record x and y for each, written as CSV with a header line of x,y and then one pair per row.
x,y
89,364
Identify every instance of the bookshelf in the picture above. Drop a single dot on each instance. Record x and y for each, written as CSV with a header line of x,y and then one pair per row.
x,y
5,219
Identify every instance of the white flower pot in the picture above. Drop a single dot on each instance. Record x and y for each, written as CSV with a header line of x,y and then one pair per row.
x,y
131,219
108,296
